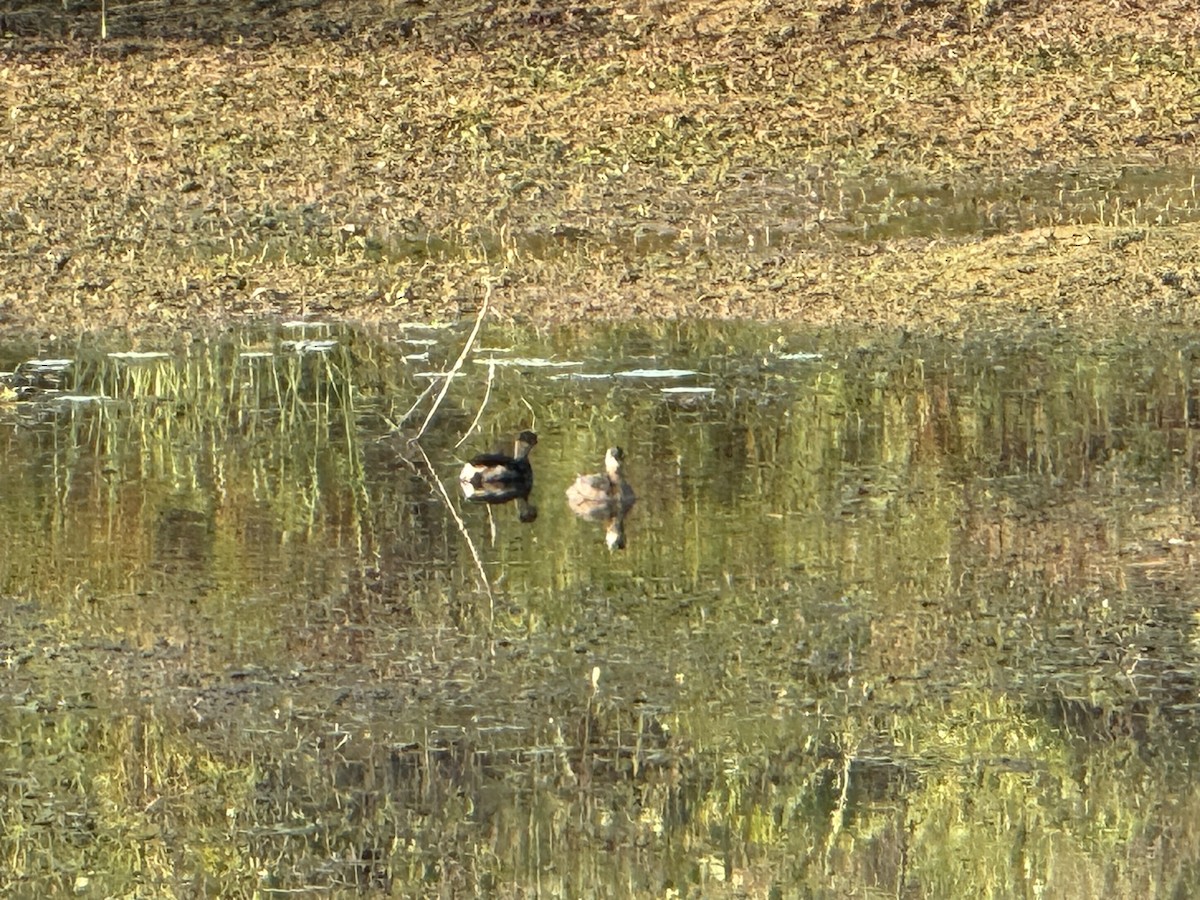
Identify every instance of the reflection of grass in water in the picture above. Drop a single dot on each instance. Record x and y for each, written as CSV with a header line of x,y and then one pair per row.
x,y
229,438
97,811
207,437
809,727
328,796
940,785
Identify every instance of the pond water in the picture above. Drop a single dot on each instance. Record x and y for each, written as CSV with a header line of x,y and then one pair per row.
x,y
893,615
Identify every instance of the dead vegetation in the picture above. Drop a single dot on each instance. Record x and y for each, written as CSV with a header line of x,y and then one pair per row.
x,y
385,161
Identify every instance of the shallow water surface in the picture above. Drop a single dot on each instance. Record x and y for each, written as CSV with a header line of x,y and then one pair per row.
x,y
890,615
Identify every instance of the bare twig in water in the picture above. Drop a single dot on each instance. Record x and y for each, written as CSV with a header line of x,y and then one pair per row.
x,y
449,376
487,586
487,392
396,426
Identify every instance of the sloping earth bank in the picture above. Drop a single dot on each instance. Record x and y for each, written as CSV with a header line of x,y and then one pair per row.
x,y
392,161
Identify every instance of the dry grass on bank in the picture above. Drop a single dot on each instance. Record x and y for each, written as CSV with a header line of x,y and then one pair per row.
x,y
381,161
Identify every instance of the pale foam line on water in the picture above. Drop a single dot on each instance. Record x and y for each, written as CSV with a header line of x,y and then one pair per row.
x,y
526,362
313,346
631,373
582,376
655,373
